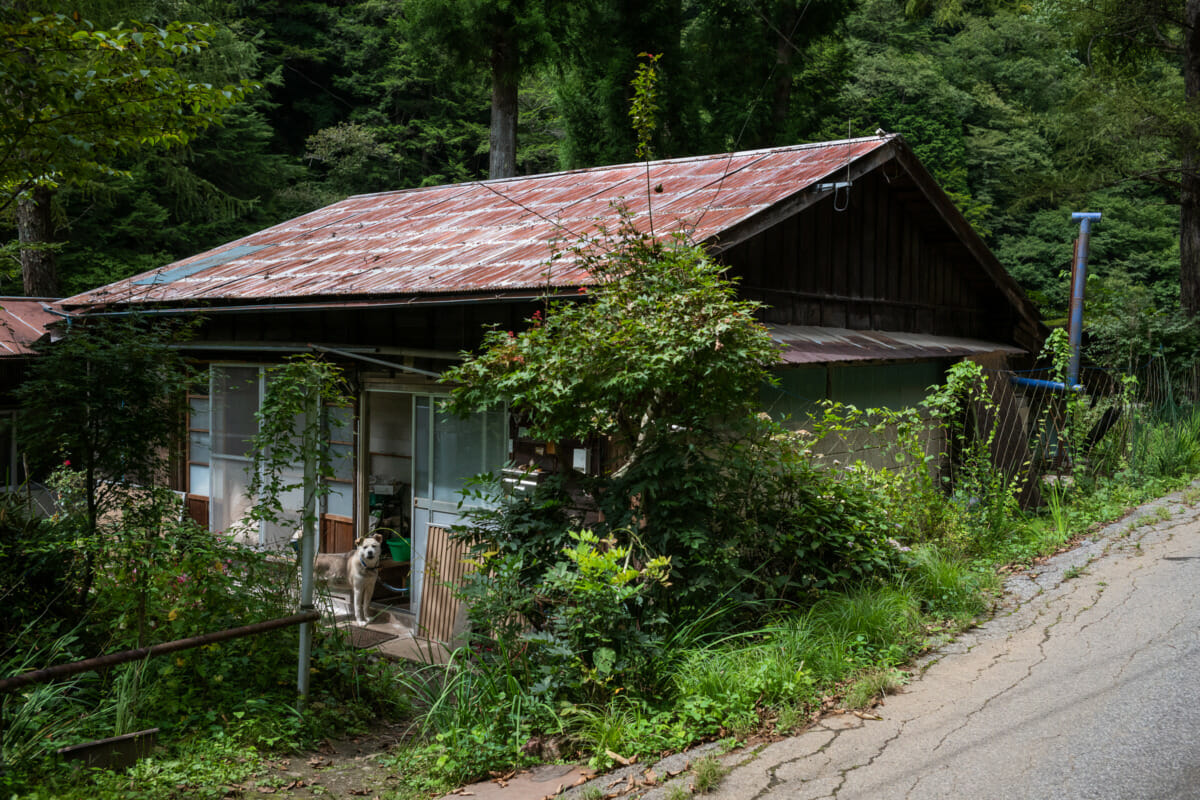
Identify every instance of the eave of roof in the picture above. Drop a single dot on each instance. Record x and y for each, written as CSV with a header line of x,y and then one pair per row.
x,y
24,321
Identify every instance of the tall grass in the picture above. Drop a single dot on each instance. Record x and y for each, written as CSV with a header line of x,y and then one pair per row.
x,y
881,617
947,586
796,658
1060,512
1168,447
47,715
477,711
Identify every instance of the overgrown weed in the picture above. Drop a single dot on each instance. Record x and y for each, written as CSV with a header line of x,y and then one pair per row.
x,y
707,773
872,685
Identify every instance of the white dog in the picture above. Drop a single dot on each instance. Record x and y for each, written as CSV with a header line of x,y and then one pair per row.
x,y
358,568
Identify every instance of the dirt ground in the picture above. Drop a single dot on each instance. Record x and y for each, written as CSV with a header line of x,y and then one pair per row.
x,y
342,769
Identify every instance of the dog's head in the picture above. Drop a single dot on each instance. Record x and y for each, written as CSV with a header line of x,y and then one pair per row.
x,y
370,548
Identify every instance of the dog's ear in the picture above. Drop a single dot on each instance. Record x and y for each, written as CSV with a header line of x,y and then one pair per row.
x,y
378,537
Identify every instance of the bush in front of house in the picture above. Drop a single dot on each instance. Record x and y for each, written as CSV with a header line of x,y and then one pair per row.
x,y
708,505
712,518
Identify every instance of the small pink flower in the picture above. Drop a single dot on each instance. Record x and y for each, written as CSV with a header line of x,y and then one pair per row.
x,y
67,463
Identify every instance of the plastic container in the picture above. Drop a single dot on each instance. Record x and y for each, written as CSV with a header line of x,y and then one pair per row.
x,y
400,549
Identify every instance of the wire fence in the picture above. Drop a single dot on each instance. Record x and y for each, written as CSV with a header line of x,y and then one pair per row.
x,y
1035,433
1041,432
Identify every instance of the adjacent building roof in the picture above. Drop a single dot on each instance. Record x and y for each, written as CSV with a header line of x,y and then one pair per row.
x,y
23,322
486,236
802,344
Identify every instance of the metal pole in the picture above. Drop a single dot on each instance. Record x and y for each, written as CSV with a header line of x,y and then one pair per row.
x,y
142,653
1080,281
308,542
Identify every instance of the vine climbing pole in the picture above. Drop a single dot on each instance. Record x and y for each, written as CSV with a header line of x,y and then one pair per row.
x,y
308,541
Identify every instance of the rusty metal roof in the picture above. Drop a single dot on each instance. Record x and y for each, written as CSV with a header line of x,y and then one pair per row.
x,y
801,344
23,322
492,236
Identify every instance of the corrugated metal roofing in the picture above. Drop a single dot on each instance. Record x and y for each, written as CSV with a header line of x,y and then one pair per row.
x,y
23,321
491,236
803,344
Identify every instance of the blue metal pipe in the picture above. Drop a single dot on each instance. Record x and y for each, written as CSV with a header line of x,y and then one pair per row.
x,y
1075,331
1038,383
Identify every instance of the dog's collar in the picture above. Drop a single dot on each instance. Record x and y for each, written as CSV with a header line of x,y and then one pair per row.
x,y
365,566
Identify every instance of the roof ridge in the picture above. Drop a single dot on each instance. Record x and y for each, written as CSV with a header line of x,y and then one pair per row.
x,y
634,164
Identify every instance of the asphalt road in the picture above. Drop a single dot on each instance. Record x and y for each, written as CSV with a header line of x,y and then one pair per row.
x,y
1087,685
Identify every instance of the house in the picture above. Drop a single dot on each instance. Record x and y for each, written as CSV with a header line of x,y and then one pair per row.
x,y
25,322
873,284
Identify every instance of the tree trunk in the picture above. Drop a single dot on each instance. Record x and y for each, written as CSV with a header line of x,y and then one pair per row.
x,y
506,72
784,49
1189,199
35,230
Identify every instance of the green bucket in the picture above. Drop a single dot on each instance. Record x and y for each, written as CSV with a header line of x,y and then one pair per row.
x,y
400,549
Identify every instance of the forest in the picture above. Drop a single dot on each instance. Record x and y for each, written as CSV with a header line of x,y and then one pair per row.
x,y
1024,110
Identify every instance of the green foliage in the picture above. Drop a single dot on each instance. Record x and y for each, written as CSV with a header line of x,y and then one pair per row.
x,y
205,771
872,685
758,79
879,619
40,565
644,108
1127,326
984,492
908,502
39,713
167,582
1169,448
947,586
107,399
77,95
786,525
585,626
477,712
660,342
739,674
707,773
292,428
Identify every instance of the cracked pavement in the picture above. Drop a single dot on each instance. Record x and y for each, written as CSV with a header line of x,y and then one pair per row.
x,y
1084,685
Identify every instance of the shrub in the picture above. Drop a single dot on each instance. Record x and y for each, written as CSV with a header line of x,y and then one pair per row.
x,y
584,627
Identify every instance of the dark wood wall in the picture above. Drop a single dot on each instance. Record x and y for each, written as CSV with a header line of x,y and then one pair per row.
x,y
446,328
875,260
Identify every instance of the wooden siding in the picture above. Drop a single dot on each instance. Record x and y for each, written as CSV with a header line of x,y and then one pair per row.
x,y
445,566
337,534
196,506
872,266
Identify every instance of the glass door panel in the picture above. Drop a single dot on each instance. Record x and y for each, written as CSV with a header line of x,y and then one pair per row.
x,y
234,397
